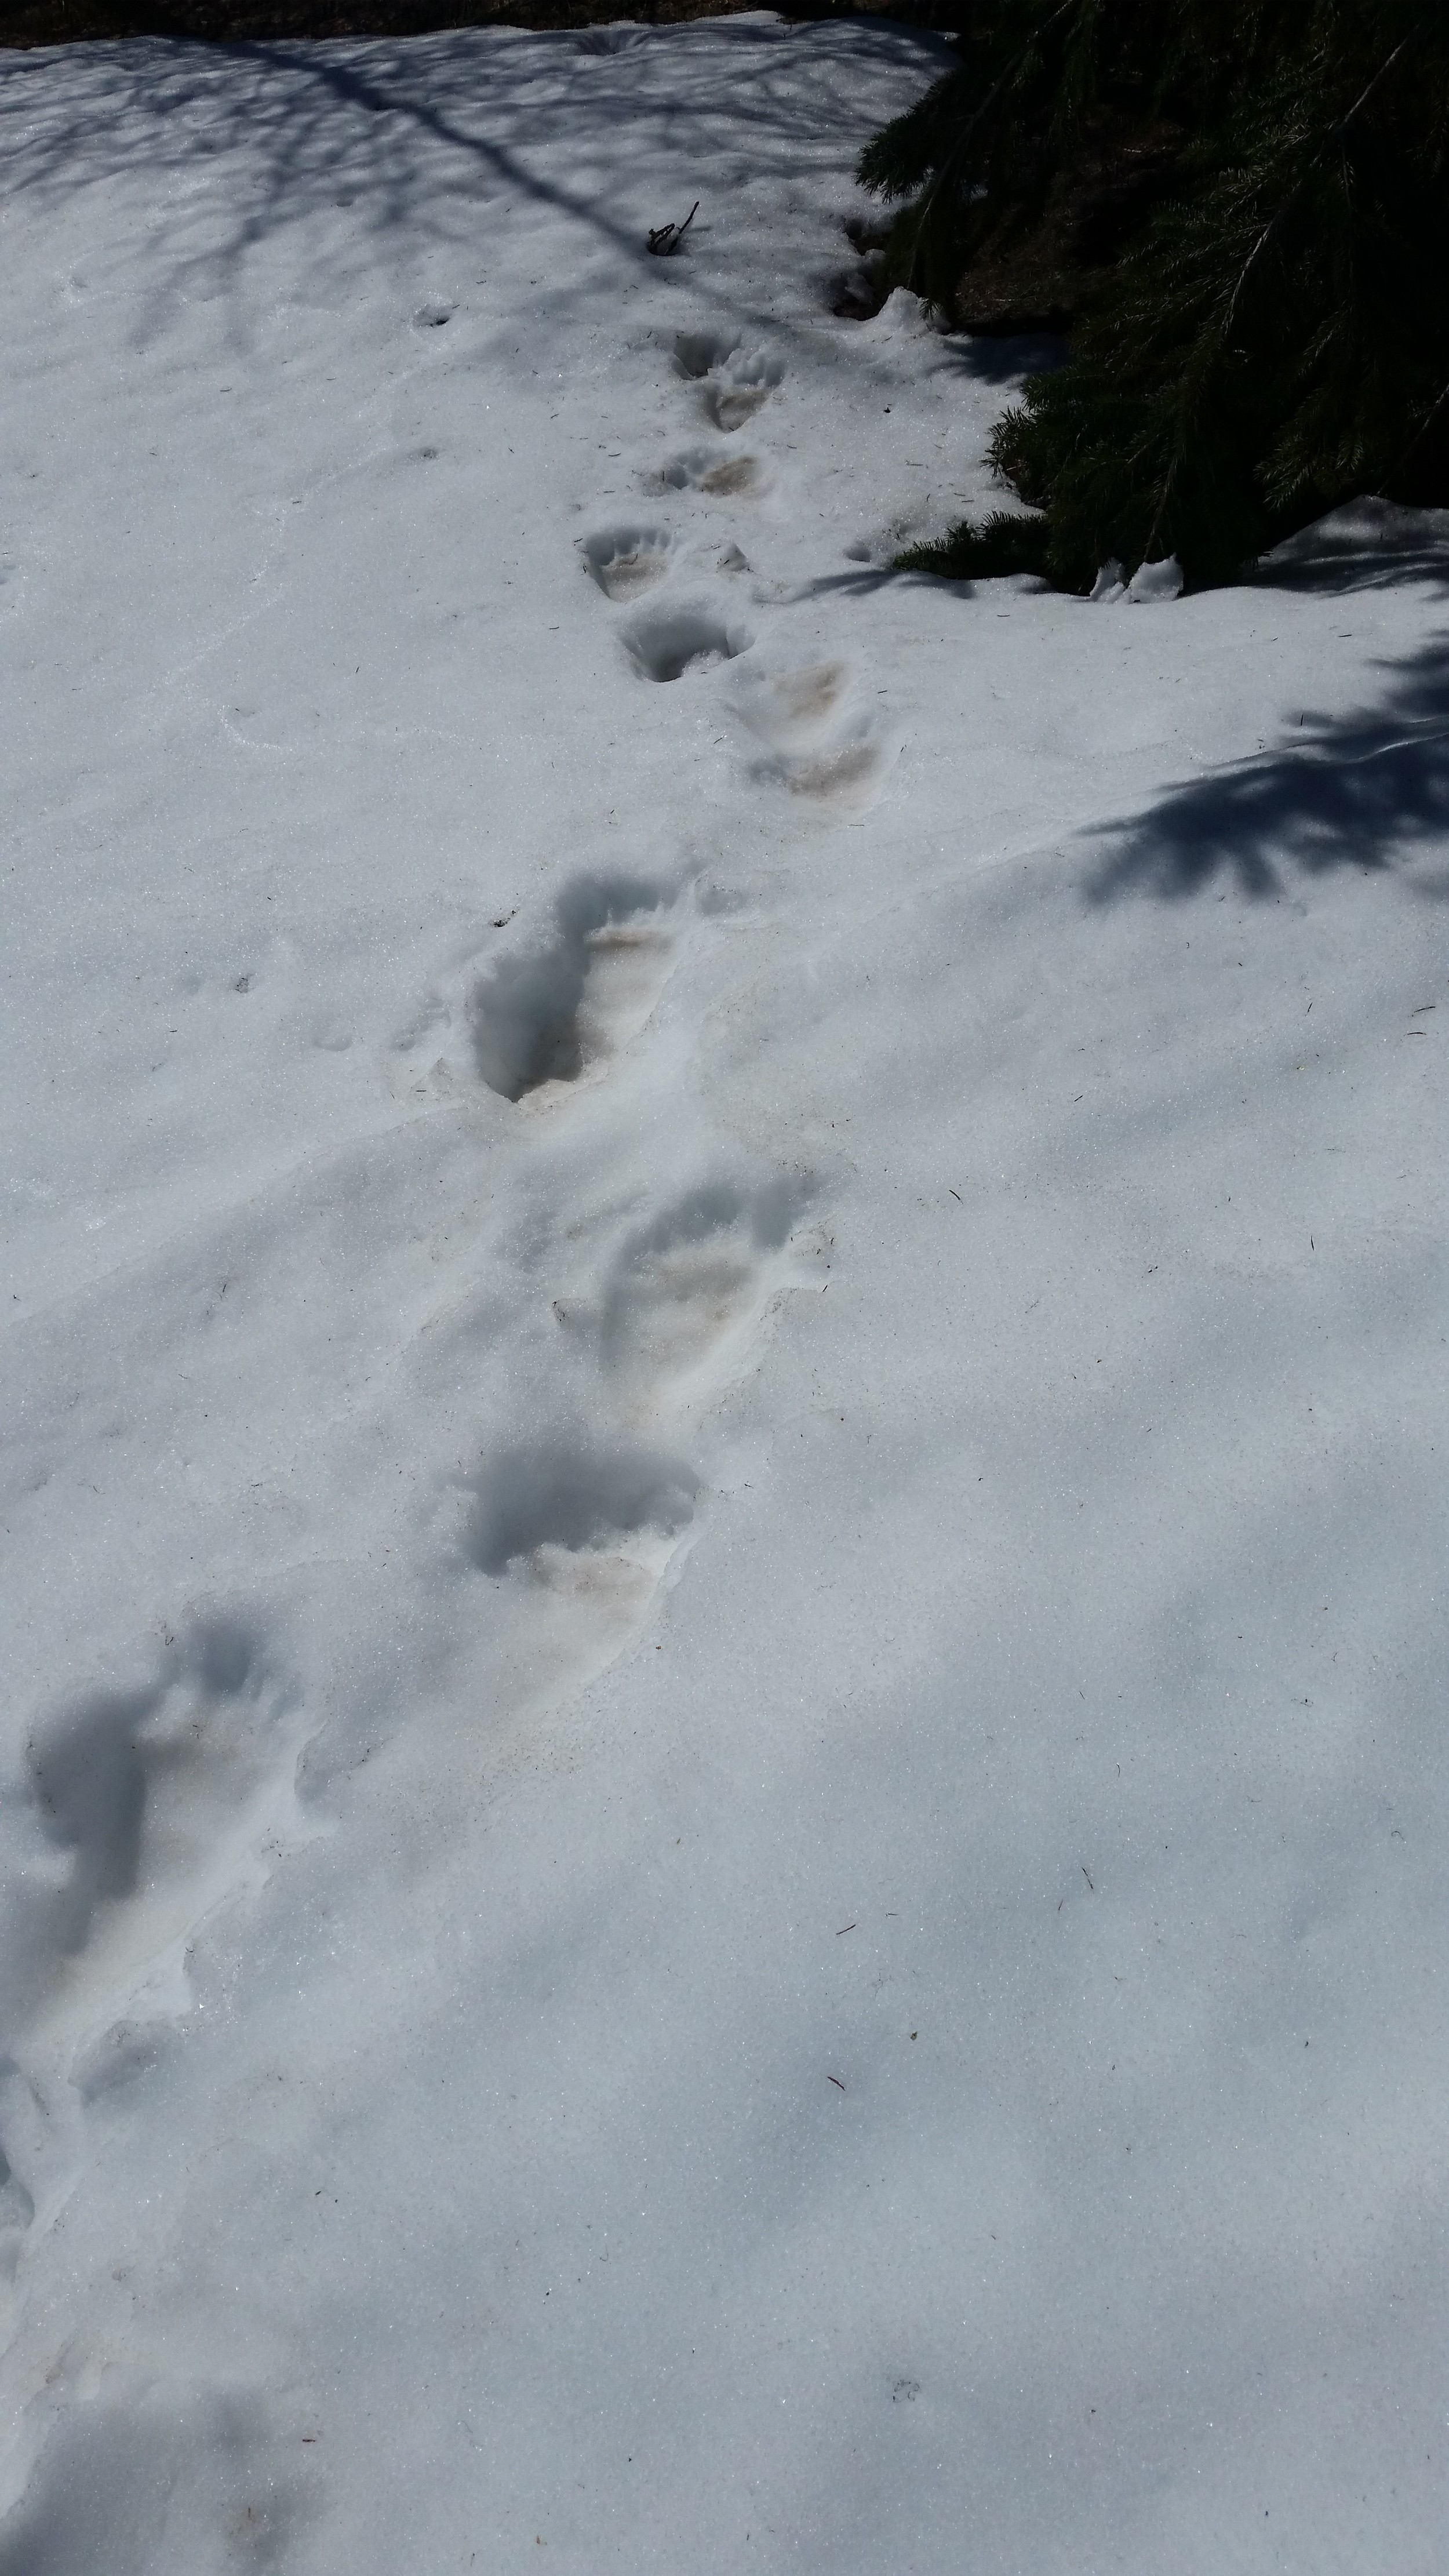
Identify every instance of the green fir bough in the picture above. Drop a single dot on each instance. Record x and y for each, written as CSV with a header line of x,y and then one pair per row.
x,y
1271,336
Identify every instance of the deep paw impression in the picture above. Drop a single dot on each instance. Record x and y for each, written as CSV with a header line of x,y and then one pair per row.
x,y
593,1523
733,380
548,1015
142,1812
627,560
666,642
147,1809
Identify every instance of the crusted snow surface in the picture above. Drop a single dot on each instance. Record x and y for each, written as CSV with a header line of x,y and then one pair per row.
x,y
722,1787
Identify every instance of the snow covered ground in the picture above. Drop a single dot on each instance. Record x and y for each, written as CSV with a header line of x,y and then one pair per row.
x,y
722,1801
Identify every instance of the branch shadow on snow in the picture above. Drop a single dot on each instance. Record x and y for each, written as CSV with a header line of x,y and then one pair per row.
x,y
420,139
856,585
1003,358
1363,790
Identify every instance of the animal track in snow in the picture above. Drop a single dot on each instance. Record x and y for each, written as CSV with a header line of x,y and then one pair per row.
x,y
790,708
733,381
738,396
697,352
823,747
153,1801
692,1283
847,773
144,1810
552,1014
624,561
564,1509
689,635
576,1534
719,471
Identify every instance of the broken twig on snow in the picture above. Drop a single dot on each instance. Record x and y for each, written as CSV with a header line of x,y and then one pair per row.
x,y
666,238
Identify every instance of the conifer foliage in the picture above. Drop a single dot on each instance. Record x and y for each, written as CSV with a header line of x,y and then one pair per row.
x,y
1272,336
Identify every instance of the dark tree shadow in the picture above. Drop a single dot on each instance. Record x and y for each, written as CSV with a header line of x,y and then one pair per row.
x,y
1363,790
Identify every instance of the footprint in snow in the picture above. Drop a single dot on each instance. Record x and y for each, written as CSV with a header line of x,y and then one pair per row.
x,y
688,1289
553,1014
733,381
791,708
688,635
575,1534
823,746
737,396
697,352
590,1526
560,1500
627,560
719,471
142,1811
847,773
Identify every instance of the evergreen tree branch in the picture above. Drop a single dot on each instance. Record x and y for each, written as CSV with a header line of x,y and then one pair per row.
x,y
1273,340
1335,136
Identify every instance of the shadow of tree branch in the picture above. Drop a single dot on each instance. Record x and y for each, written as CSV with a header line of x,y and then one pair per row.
x,y
1362,790
435,143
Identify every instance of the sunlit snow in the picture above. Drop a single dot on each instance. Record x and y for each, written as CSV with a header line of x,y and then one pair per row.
x,y
722,1803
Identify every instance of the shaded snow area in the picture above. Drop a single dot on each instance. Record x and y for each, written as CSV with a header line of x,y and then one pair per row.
x,y
722,1793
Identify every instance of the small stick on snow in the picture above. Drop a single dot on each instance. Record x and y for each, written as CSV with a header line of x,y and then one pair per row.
x,y
664,241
